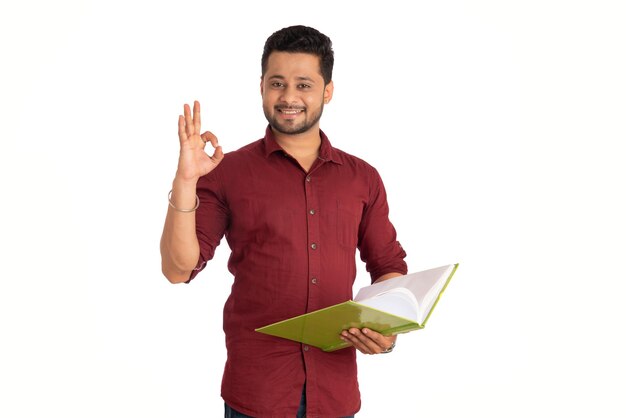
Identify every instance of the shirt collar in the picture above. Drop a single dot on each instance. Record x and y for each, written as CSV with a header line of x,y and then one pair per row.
x,y
327,152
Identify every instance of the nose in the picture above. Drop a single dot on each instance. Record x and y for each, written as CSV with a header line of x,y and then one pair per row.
x,y
289,95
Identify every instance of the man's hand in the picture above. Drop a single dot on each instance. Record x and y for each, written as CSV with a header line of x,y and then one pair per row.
x,y
194,162
367,341
180,249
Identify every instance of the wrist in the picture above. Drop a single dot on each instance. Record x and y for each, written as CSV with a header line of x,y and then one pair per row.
x,y
183,197
184,183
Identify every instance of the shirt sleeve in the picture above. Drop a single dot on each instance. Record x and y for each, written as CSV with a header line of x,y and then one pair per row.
x,y
212,217
378,246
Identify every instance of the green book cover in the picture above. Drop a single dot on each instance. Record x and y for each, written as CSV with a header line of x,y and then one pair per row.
x,y
394,306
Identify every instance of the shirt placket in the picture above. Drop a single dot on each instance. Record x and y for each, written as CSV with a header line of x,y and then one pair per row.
x,y
315,248
313,239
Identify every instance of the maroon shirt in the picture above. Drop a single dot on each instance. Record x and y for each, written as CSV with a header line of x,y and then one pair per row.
x,y
293,237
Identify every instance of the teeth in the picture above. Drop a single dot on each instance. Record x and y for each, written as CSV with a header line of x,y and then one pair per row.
x,y
290,112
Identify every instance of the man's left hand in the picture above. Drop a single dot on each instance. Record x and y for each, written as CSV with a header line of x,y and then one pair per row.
x,y
367,341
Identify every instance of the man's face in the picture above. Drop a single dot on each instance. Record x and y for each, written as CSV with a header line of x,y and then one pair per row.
x,y
293,92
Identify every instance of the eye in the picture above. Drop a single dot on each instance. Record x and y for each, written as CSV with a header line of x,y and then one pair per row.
x,y
304,86
277,84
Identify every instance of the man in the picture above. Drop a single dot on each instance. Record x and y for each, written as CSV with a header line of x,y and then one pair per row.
x,y
293,210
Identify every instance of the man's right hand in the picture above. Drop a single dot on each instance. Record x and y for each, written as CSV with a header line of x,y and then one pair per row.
x,y
194,162
180,249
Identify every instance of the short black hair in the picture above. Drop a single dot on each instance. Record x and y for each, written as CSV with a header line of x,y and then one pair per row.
x,y
301,39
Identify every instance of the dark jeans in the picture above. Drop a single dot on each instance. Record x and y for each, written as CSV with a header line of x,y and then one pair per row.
x,y
231,413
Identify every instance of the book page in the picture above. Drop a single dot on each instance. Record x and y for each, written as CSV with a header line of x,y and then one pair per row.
x,y
399,301
424,285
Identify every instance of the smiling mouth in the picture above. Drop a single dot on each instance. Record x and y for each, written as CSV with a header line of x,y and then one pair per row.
x,y
289,111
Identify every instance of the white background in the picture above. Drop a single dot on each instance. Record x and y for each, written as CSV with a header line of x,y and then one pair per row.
x,y
497,128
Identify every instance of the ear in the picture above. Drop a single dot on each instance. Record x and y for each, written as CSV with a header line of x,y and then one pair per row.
x,y
261,85
328,92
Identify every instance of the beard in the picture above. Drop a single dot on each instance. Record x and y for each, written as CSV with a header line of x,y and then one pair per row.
x,y
291,127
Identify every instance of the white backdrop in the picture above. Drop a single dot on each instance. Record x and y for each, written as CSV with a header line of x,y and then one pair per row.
x,y
496,127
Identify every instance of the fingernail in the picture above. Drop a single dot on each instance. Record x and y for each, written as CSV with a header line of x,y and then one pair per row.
x,y
364,330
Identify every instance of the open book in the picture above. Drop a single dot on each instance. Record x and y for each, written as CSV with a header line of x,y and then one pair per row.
x,y
393,306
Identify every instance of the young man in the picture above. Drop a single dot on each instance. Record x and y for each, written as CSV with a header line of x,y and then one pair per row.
x,y
293,210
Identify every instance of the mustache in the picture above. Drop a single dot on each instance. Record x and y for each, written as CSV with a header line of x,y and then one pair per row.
x,y
289,107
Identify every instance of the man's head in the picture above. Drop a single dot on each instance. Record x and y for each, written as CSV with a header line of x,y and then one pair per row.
x,y
301,39
297,79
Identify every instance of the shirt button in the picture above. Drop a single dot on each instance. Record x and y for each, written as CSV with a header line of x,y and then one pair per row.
x,y
312,211
314,280
305,348
314,246
308,178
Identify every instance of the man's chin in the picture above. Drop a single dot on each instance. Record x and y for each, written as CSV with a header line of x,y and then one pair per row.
x,y
289,129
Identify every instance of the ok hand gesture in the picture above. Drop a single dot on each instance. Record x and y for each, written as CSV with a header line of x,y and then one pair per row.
x,y
194,162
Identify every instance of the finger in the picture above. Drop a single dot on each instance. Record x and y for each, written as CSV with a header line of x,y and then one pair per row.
x,y
210,137
384,342
182,135
372,346
218,154
196,116
355,337
375,342
189,128
353,341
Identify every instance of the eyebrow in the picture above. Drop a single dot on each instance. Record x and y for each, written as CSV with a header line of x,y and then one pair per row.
x,y
299,78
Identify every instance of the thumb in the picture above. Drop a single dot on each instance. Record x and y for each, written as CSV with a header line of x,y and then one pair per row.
x,y
218,155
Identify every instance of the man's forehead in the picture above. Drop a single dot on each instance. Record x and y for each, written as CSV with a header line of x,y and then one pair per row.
x,y
283,64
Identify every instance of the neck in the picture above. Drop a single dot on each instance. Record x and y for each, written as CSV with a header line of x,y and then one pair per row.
x,y
304,145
